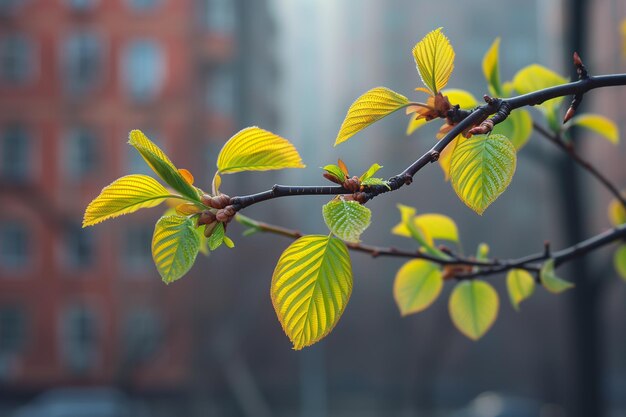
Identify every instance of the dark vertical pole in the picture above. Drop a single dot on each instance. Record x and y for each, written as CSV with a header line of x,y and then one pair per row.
x,y
586,390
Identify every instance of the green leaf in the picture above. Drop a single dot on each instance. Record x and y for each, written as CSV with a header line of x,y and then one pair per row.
x,y
536,77
620,261
161,164
124,195
175,245
603,126
491,68
346,219
550,281
474,307
481,169
217,237
375,181
255,149
434,58
520,285
311,287
370,172
417,285
482,252
336,172
369,108
517,127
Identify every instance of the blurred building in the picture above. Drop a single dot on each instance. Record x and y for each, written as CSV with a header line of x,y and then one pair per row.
x,y
86,306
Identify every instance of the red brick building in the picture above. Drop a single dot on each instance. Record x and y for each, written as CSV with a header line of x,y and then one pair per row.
x,y
75,76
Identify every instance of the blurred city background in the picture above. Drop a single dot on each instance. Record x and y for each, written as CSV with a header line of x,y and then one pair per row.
x,y
87,329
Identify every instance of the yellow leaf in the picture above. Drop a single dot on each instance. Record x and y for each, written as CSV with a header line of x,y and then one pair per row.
x,y
125,195
536,77
520,285
186,175
599,124
434,58
215,185
417,285
491,68
255,149
161,164
445,157
369,108
481,168
463,98
617,213
415,124
186,209
311,286
432,225
474,307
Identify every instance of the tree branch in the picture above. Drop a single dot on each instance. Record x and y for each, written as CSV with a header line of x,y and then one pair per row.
x,y
471,119
483,268
571,151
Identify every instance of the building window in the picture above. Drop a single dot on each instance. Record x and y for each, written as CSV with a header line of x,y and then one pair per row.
x,y
17,59
79,247
14,245
136,247
12,330
143,5
218,16
81,5
10,7
15,154
79,338
142,335
81,153
143,70
220,94
82,62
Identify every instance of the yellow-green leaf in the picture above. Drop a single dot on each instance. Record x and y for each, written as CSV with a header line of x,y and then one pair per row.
x,y
617,212
370,172
369,108
346,219
517,127
434,58
415,124
175,245
520,285
161,164
255,149
417,285
463,98
445,157
336,172
603,126
536,77
125,195
491,68
311,287
375,181
481,169
550,281
619,260
474,307
433,226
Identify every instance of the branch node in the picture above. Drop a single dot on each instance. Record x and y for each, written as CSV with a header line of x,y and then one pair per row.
x,y
434,156
580,67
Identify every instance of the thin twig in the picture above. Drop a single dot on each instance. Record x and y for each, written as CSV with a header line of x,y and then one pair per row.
x,y
569,150
485,267
471,119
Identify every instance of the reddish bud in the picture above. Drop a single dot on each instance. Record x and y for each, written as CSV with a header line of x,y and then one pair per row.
x,y
206,217
569,114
